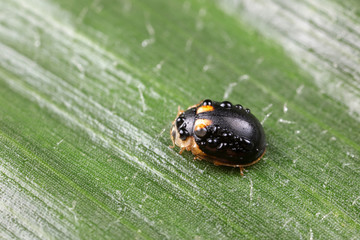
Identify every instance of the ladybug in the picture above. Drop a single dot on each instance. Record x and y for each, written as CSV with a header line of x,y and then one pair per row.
x,y
220,132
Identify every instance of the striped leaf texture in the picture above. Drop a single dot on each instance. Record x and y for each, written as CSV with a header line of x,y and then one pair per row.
x,y
89,89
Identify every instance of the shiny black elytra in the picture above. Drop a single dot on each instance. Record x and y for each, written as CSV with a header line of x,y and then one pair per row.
x,y
220,132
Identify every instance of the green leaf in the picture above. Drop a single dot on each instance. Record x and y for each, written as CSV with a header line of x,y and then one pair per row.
x,y
88,91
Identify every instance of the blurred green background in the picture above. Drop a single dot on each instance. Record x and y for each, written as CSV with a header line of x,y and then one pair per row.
x,y
88,91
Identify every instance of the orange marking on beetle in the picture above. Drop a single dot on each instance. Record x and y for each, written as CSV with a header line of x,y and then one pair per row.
x,y
207,108
198,127
201,123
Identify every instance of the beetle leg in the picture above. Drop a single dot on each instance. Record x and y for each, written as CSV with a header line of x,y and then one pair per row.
x,y
173,142
216,163
241,171
181,150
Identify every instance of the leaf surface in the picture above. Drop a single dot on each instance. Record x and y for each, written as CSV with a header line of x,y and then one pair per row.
x,y
88,91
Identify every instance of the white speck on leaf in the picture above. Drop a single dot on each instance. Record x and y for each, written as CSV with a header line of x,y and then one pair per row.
x,y
345,165
188,45
97,6
186,6
266,117
229,89
142,100
147,42
73,205
259,61
287,221
158,66
151,33
285,121
37,43
127,6
150,29
79,66
285,108
202,12
229,42
299,89
251,190
244,77
199,25
356,199
350,154
82,14
199,21
205,68
325,216
160,134
144,199
267,107
58,143
72,209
